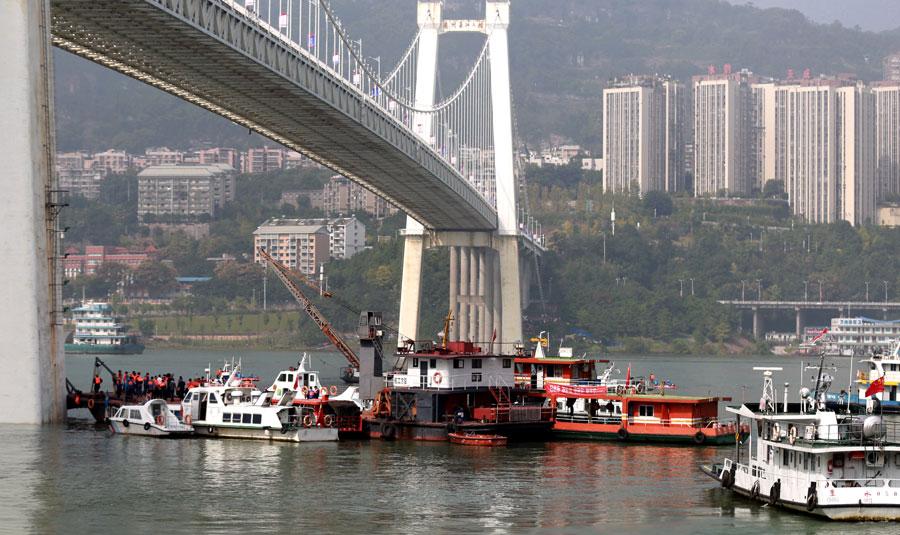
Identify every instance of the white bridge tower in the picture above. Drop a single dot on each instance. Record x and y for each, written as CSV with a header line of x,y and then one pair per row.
x,y
485,278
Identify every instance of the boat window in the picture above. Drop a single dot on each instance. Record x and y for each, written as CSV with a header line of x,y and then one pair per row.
x,y
312,378
476,363
257,418
894,483
550,371
135,415
282,378
188,396
226,417
433,363
247,418
645,410
785,461
290,377
897,459
459,363
618,409
415,363
212,398
507,363
122,413
805,461
476,377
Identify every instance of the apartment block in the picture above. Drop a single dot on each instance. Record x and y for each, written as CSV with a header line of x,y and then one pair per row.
x,y
341,196
887,139
184,191
722,109
891,65
163,156
294,243
228,156
113,161
77,263
263,159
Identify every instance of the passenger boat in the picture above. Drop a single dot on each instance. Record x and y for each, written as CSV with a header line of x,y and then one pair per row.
x,y
878,366
154,418
98,331
808,458
474,439
235,410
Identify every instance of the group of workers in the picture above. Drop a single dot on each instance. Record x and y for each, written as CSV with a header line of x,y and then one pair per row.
x,y
134,385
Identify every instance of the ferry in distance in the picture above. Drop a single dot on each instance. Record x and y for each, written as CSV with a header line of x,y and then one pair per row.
x,y
808,458
98,331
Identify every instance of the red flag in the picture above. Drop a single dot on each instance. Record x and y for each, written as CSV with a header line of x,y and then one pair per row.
x,y
628,376
494,336
876,387
820,335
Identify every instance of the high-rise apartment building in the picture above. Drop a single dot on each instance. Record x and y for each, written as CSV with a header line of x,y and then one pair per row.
x,y
855,154
887,140
891,66
184,191
263,159
294,243
643,139
722,134
762,135
163,156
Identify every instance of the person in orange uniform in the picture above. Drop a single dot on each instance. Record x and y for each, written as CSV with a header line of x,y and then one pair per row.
x,y
97,382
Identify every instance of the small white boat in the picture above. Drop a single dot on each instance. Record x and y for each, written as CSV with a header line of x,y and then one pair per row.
x,y
154,418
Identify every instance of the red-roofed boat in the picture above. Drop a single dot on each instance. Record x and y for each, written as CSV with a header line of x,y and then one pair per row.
x,y
475,439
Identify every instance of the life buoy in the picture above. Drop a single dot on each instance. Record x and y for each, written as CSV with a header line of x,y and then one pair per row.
x,y
304,390
210,430
188,419
146,426
307,421
640,388
125,423
776,432
622,433
699,437
332,390
90,403
792,435
437,378
160,420
774,493
812,500
754,490
329,419
620,390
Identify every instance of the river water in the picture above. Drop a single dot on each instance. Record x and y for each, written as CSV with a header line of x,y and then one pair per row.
x,y
79,478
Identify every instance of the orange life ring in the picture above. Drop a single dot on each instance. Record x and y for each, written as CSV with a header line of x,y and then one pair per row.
x,y
307,421
91,403
437,378
160,420
188,419
305,389
329,420
333,390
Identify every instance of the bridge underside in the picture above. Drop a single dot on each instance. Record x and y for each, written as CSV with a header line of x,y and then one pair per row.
x,y
221,59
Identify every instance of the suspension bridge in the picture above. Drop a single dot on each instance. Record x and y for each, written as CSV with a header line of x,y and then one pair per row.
x,y
289,70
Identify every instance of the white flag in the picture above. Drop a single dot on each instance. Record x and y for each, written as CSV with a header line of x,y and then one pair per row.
x,y
282,20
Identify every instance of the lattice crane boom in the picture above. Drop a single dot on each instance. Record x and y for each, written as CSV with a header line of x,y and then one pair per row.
x,y
284,274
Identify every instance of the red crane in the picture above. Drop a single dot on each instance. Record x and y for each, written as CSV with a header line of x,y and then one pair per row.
x,y
287,277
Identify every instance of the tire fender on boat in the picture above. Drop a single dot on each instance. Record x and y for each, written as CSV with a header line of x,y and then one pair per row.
x,y
210,430
754,490
388,430
146,426
125,423
90,403
622,433
699,437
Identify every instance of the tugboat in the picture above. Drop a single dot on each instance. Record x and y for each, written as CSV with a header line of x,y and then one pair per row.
x,y
98,331
809,458
154,418
878,367
436,389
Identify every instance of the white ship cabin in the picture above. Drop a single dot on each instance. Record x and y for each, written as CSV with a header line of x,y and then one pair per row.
x,y
461,365
565,368
879,365
239,406
805,457
293,379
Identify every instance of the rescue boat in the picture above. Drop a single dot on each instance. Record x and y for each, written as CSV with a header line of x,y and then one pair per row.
x,y
475,439
154,418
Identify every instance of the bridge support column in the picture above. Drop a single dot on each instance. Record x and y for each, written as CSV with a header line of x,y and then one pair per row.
x,y
487,275
33,389
463,322
511,299
799,324
757,324
454,294
411,286
473,294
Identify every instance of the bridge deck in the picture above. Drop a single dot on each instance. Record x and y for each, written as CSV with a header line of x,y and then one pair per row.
x,y
216,55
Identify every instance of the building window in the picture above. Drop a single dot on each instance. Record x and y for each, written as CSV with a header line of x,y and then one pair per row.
x,y
476,363
645,410
459,363
507,363
476,377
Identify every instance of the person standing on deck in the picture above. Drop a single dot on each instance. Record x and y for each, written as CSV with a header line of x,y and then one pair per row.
x,y
97,382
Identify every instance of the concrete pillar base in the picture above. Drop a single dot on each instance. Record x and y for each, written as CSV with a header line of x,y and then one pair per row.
x,y
511,299
411,287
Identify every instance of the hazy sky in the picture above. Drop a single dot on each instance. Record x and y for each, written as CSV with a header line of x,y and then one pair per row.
x,y
873,15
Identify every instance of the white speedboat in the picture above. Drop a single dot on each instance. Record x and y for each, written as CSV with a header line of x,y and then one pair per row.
x,y
805,457
154,418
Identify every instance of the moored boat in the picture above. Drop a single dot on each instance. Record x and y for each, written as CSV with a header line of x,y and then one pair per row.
x,y
154,418
476,439
98,331
809,458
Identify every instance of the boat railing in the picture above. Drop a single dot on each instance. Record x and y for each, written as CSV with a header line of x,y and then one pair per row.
x,y
513,413
856,433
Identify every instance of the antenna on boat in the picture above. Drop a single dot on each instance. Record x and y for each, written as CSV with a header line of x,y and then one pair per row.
x,y
767,403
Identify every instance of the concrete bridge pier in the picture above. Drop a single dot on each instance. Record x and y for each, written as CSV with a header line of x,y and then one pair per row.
x,y
757,324
799,323
32,387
